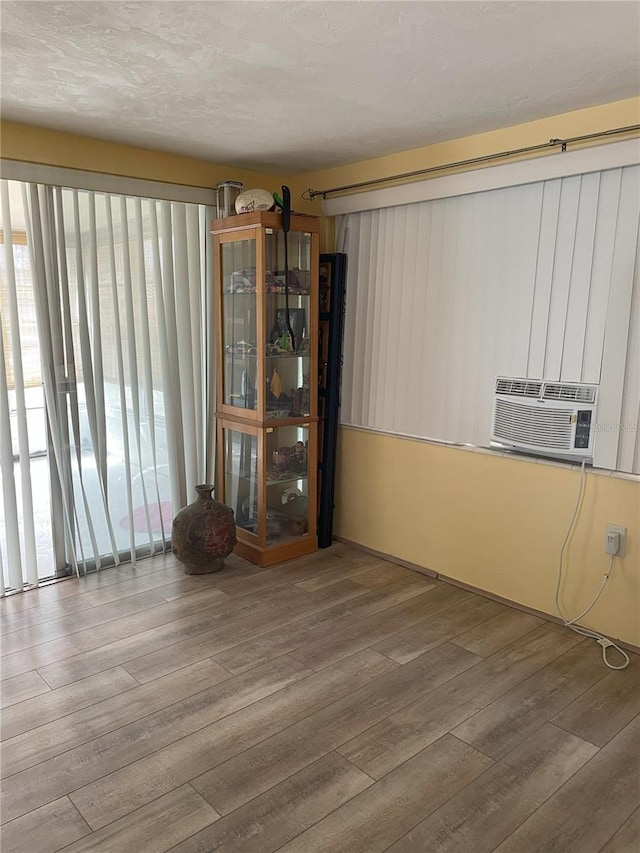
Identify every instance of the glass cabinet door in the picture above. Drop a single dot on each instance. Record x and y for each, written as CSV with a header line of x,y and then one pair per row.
x,y
287,318
287,477
239,323
241,477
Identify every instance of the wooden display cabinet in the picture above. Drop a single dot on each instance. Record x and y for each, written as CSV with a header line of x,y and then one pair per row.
x,y
266,378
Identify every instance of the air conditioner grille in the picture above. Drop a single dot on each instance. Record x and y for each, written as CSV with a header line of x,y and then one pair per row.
x,y
524,424
518,387
569,393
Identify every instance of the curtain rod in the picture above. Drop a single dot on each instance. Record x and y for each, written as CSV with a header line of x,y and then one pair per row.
x,y
311,194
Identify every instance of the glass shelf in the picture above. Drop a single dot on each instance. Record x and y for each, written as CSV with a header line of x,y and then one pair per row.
x,y
303,354
278,481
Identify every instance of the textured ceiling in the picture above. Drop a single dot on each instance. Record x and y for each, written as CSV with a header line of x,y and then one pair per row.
x,y
295,86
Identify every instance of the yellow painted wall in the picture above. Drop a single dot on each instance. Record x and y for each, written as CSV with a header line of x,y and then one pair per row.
x,y
493,522
69,150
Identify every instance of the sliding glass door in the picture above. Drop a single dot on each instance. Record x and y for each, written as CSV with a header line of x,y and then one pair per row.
x,y
103,403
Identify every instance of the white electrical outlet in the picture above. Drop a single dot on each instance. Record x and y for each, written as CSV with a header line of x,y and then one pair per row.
x,y
615,534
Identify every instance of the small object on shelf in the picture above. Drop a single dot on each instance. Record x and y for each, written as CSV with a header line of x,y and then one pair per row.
x,y
203,533
276,385
226,193
254,200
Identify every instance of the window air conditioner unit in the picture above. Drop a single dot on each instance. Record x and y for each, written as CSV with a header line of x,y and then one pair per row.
x,y
554,419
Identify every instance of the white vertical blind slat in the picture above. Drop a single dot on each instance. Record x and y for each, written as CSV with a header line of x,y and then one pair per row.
x,y
350,323
145,376
420,320
30,553
543,278
381,270
184,351
630,418
171,312
93,386
604,241
96,341
616,338
170,411
9,497
70,392
403,382
562,265
193,285
117,328
580,284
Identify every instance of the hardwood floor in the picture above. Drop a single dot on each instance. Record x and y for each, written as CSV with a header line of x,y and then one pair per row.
x,y
334,704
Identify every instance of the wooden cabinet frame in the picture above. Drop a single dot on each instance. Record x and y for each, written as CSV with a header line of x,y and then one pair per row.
x,y
256,423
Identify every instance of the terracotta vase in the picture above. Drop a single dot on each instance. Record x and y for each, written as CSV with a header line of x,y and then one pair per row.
x,y
204,533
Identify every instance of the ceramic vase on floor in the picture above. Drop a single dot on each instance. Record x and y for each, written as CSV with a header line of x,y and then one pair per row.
x,y
204,533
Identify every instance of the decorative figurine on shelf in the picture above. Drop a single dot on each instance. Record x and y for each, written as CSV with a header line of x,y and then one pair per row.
x,y
203,534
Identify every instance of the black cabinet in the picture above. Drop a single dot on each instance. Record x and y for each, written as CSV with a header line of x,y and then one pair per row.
x,y
331,317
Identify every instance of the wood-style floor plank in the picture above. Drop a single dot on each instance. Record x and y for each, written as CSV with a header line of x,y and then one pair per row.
x,y
171,620
507,626
337,703
285,639
278,815
384,812
131,637
606,708
381,575
22,687
350,568
368,632
254,771
43,830
15,621
384,746
591,806
627,838
503,724
78,727
208,643
56,593
491,807
38,785
462,610
67,626
193,755
32,713
155,828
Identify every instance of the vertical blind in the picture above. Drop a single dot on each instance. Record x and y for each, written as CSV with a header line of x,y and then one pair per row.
x,y
536,281
103,303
